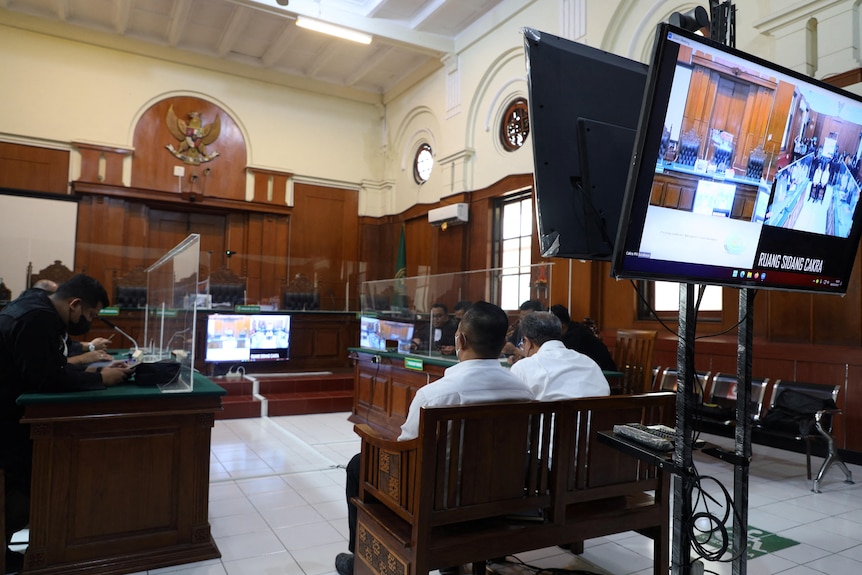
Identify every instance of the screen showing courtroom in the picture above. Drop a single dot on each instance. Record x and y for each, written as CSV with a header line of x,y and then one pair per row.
x,y
744,174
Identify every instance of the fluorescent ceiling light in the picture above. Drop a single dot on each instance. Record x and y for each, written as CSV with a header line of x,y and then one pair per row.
x,y
333,30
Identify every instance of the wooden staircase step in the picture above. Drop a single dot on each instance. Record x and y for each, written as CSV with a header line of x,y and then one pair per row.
x,y
239,407
309,402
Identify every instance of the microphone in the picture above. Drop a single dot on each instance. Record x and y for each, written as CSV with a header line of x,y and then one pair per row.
x,y
113,326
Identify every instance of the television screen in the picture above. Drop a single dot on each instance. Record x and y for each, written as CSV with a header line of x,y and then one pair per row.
x,y
240,338
584,108
745,173
374,333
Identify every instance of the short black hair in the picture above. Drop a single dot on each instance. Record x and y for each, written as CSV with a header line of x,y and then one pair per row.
x,y
442,306
485,326
561,312
532,305
541,326
463,304
85,287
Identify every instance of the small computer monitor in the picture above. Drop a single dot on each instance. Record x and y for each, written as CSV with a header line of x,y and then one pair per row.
x,y
744,174
374,333
241,338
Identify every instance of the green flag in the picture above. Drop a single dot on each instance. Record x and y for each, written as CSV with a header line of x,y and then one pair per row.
x,y
400,295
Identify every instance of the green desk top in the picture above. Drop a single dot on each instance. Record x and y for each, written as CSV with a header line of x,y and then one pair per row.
x,y
202,386
445,361
436,359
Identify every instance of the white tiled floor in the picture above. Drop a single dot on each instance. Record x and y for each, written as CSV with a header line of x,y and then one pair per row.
x,y
277,507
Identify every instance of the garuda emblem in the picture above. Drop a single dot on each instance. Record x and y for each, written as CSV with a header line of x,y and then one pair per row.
x,y
193,137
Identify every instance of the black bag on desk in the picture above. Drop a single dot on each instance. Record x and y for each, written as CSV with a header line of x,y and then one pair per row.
x,y
157,373
794,411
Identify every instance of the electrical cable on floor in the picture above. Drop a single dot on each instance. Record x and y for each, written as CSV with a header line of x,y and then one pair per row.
x,y
705,527
543,570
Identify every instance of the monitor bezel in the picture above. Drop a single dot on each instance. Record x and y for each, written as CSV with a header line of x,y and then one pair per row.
x,y
642,172
250,359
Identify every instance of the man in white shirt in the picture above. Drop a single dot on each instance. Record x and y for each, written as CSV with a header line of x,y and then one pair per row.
x,y
551,370
478,377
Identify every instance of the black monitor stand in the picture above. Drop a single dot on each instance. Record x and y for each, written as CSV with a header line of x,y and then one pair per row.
x,y
683,482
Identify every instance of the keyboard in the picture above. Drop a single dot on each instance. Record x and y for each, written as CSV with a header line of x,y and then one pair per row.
x,y
655,437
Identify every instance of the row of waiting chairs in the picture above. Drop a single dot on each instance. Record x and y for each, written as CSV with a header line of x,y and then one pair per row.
x,y
718,390
716,414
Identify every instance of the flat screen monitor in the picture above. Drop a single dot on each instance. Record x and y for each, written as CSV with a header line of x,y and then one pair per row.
x,y
375,332
241,338
584,108
745,174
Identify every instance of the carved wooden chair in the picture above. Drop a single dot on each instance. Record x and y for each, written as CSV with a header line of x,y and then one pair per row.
x,y
130,290
300,294
226,287
56,272
633,354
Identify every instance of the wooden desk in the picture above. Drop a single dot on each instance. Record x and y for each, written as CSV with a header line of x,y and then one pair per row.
x,y
120,479
384,385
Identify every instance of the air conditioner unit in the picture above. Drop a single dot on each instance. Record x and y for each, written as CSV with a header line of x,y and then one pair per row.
x,y
449,215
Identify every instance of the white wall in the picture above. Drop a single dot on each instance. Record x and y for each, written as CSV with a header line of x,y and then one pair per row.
x,y
68,91
63,91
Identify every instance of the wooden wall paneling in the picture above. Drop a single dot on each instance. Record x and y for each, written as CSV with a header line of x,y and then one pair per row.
x,y
252,241
692,118
153,164
166,229
619,306
450,248
727,111
754,125
479,254
269,187
789,317
85,230
418,237
377,239
581,295
99,247
782,100
838,320
234,239
270,269
34,169
101,163
135,243
324,230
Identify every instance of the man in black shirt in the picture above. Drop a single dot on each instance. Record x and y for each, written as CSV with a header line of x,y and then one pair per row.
x,y
33,350
580,338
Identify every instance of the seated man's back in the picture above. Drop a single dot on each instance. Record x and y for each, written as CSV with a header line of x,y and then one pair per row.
x,y
550,369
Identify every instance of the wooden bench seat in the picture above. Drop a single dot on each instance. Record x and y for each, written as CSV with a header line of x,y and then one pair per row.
x,y
450,496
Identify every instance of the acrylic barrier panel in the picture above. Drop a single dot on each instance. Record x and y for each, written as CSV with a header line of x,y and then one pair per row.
x,y
403,314
169,326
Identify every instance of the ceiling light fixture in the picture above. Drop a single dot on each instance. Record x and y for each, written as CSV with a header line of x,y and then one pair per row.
x,y
333,30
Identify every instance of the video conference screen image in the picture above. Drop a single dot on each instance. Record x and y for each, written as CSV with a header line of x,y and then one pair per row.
x,y
374,332
244,338
746,174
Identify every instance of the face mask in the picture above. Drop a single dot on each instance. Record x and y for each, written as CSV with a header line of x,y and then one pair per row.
x,y
80,327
